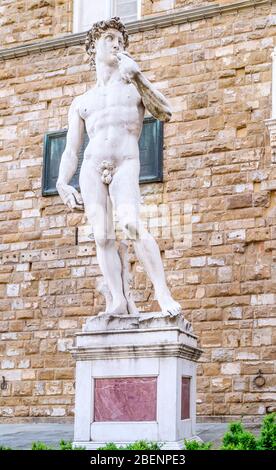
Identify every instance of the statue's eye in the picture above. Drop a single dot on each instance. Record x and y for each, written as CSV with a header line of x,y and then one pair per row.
x,y
109,37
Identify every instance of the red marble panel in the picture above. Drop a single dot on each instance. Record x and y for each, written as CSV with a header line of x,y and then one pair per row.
x,y
185,397
125,399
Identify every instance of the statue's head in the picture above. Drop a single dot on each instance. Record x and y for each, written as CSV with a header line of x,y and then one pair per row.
x,y
105,39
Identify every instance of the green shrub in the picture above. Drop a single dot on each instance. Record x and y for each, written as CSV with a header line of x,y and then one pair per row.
x,y
238,439
5,448
63,445
138,445
195,445
143,445
67,445
40,446
267,439
110,446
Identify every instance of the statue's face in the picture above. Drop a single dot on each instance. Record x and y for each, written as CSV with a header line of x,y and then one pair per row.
x,y
108,45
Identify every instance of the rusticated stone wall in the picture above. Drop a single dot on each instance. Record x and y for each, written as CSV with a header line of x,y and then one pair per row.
x,y
217,74
28,21
25,21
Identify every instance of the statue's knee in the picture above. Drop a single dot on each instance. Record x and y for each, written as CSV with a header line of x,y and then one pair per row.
x,y
103,242
131,230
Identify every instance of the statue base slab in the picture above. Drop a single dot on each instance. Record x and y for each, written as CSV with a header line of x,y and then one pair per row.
x,y
135,380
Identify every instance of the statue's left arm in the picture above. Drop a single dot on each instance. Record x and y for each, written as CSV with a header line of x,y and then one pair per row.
x,y
153,100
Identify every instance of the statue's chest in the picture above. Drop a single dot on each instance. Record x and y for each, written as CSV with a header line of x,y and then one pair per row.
x,y
109,100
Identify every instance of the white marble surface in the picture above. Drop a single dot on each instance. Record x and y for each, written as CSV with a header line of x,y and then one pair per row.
x,y
113,112
153,345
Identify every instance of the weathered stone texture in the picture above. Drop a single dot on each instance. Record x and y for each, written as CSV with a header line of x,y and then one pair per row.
x,y
23,22
221,267
157,7
28,21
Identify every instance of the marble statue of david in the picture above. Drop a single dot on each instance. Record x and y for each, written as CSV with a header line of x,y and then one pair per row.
x,y
113,112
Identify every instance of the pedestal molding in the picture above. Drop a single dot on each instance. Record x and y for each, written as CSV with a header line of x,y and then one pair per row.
x,y
132,351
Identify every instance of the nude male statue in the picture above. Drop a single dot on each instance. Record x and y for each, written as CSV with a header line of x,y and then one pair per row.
x,y
113,113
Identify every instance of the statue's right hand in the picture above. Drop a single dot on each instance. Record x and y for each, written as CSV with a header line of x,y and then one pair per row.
x,y
70,196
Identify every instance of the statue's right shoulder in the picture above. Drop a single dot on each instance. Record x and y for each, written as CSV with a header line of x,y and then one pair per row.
x,y
76,103
79,103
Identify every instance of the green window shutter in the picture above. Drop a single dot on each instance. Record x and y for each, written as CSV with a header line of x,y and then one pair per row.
x,y
151,151
150,146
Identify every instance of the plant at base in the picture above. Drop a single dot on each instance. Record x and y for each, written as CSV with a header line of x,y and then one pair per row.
x,y
195,445
110,446
138,445
143,445
67,445
40,446
238,439
267,439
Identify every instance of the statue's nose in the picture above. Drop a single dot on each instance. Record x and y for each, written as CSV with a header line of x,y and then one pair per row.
x,y
116,46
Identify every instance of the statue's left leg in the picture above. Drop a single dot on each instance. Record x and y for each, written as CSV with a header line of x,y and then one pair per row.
x,y
125,195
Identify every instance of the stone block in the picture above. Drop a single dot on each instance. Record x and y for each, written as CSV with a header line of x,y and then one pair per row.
x,y
221,384
211,339
239,201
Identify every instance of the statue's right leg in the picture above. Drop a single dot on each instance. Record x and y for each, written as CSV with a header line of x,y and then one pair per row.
x,y
95,198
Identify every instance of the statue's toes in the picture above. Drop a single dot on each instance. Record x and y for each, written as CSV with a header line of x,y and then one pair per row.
x,y
173,311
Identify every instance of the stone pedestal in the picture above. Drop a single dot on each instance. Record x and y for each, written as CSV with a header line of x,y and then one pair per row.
x,y
135,379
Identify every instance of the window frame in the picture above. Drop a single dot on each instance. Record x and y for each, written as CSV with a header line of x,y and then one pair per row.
x,y
109,13
138,10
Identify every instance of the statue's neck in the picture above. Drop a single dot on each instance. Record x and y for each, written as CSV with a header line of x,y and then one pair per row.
x,y
107,73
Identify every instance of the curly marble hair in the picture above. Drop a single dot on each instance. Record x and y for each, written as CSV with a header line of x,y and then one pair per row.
x,y
98,29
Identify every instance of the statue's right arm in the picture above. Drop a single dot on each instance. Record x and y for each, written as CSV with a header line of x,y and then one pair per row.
x,y
69,159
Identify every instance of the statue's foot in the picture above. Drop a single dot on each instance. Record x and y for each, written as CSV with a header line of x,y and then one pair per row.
x,y
100,314
168,305
117,308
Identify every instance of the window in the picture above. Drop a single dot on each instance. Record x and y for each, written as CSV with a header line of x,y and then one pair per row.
x,y
125,9
87,12
151,156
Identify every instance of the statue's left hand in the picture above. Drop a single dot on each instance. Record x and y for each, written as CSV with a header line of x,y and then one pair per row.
x,y
127,66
